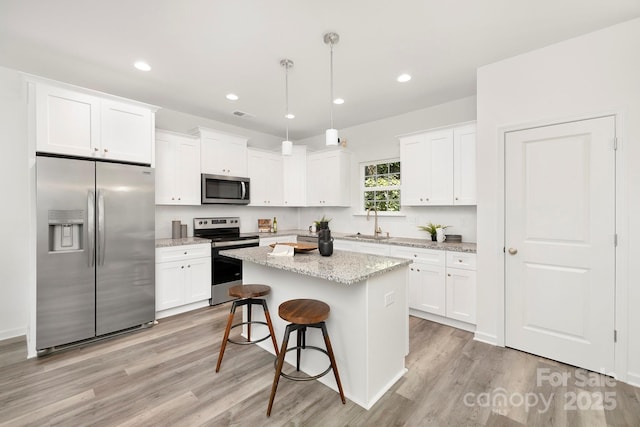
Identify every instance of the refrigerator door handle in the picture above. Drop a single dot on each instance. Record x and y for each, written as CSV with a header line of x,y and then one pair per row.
x,y
101,231
91,216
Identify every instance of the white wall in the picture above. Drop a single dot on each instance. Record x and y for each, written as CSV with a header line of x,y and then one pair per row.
x,y
14,214
378,141
595,73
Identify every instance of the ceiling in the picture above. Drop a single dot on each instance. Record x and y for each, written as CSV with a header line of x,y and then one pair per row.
x,y
200,50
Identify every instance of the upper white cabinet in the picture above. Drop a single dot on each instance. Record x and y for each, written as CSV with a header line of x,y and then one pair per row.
x,y
464,165
265,172
74,122
438,167
294,175
328,178
177,169
123,127
222,153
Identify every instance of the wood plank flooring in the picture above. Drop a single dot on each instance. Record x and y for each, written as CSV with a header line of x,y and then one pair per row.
x,y
165,376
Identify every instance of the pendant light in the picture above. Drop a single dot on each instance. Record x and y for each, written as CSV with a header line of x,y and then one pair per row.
x,y
331,134
287,146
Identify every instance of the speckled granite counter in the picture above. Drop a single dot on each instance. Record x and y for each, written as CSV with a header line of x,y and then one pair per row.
x,y
342,267
397,241
165,243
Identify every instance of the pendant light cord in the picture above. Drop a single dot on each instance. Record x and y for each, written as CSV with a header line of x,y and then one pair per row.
x,y
286,85
331,100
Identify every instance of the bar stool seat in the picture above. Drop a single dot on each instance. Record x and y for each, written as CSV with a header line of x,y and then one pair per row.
x,y
303,314
248,295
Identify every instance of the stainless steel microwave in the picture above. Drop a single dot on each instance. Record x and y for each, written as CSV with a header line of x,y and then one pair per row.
x,y
222,189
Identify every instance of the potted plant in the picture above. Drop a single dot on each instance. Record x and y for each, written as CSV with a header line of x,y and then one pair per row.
x,y
431,229
322,223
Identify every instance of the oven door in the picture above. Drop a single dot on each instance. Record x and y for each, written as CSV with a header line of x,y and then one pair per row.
x,y
226,272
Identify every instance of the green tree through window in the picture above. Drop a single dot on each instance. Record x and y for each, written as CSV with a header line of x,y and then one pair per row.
x,y
382,186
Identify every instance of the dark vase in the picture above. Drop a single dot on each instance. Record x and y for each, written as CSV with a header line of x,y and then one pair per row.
x,y
433,238
325,242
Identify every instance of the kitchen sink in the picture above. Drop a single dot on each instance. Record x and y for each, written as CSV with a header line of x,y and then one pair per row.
x,y
366,237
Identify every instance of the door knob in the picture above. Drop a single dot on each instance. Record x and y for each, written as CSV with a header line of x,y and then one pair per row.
x,y
513,251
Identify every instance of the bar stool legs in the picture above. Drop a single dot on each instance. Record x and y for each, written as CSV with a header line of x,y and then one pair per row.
x,y
249,302
301,344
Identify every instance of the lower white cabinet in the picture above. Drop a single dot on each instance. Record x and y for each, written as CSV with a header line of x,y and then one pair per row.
x,y
441,282
461,286
183,276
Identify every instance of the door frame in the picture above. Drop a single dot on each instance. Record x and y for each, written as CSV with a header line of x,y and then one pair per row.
x,y
622,229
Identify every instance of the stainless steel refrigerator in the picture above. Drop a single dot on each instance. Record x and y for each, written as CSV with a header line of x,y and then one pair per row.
x,y
95,249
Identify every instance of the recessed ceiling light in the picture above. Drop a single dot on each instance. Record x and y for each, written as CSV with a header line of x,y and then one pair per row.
x,y
232,97
338,101
142,66
289,116
404,78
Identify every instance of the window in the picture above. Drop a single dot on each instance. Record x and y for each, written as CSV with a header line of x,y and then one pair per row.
x,y
381,186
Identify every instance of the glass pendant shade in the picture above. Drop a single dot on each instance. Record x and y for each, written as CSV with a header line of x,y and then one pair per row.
x,y
287,148
332,137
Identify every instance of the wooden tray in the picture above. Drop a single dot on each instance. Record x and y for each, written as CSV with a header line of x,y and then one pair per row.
x,y
298,247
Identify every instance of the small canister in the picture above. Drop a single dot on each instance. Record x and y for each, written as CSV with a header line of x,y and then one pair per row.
x,y
183,231
175,229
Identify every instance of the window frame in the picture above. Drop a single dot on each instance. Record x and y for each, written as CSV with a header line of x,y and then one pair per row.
x,y
364,189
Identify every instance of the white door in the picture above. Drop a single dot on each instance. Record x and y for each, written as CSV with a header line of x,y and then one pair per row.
x,y
559,241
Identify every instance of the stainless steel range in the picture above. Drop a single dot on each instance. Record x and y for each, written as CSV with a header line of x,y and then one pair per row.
x,y
224,234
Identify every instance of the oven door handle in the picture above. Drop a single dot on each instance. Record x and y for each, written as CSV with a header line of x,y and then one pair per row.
x,y
251,242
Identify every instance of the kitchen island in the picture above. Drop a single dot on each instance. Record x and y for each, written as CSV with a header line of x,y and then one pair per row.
x,y
368,323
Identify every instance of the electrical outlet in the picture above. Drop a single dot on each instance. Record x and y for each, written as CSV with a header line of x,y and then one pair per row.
x,y
389,299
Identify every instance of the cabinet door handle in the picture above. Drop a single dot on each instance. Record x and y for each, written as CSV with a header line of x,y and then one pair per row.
x,y
189,266
105,150
449,274
95,149
185,253
182,266
513,251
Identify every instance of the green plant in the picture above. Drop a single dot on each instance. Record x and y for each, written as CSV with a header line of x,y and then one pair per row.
x,y
431,228
323,219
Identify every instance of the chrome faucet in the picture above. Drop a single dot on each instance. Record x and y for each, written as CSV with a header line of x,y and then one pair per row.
x,y
376,229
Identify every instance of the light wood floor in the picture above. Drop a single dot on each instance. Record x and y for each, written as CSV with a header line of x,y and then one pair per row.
x,y
165,376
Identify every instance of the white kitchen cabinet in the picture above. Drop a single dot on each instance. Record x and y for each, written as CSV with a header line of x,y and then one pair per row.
x,y
294,175
74,122
344,245
427,280
183,277
126,132
265,172
464,165
371,248
461,295
222,153
328,178
177,169
438,167
461,286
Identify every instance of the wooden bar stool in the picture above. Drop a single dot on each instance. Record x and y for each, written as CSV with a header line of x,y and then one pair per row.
x,y
303,314
248,295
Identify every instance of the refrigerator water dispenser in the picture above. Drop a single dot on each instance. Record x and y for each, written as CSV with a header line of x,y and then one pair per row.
x,y
65,230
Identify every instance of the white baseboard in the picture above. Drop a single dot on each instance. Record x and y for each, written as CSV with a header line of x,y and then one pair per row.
x,y
181,309
12,333
443,320
486,338
633,378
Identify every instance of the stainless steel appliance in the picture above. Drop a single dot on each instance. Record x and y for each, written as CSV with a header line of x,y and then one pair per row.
x,y
224,234
221,189
95,249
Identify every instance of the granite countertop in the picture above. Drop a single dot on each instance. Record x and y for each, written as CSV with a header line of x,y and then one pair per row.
x,y
165,243
398,241
342,267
